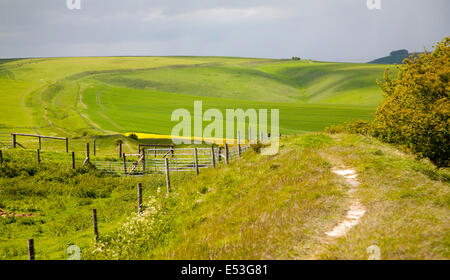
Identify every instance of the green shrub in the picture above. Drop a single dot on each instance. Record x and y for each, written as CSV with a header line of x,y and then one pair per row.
x,y
416,108
360,127
334,129
133,136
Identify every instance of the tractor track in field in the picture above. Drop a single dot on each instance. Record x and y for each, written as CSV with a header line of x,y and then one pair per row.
x,y
119,71
79,96
99,103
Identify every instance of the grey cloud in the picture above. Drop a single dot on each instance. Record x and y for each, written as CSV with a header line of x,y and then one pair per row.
x,y
343,30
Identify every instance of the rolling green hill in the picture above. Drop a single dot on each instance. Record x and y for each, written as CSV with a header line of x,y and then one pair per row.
x,y
105,95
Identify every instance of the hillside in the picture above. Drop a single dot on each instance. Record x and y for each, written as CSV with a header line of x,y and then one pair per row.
x,y
106,95
283,207
280,207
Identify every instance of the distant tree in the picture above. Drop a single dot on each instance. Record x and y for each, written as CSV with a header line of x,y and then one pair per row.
x,y
295,58
133,136
400,52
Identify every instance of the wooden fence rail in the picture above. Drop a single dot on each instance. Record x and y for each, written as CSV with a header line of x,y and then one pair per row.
x,y
40,137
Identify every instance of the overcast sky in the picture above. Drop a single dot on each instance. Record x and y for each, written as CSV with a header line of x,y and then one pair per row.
x,y
329,30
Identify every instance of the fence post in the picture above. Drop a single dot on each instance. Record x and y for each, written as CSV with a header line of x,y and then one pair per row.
x,y
140,198
14,140
226,154
87,150
40,142
67,145
172,151
73,160
94,218
87,154
213,156
124,163
31,249
219,153
143,161
120,149
196,160
95,148
38,155
239,143
167,176
1,157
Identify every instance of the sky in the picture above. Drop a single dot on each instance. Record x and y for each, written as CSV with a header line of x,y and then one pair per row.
x,y
327,30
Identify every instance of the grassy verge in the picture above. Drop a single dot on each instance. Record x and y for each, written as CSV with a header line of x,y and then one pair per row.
x,y
280,208
407,201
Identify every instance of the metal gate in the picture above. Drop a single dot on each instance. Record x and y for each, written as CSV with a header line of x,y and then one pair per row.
x,y
127,166
5,140
179,159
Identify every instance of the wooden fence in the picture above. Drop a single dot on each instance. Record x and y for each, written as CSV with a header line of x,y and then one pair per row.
x,y
15,143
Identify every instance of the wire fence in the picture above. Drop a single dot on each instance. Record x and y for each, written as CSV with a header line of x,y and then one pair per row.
x,y
153,161
128,166
188,159
5,140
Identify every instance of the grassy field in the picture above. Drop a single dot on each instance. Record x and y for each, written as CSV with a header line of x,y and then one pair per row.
x,y
101,96
282,209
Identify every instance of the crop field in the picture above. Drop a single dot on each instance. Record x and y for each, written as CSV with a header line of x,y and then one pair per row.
x,y
115,95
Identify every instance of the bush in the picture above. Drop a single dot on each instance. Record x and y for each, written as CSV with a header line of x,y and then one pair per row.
x,y
334,129
360,127
133,136
415,112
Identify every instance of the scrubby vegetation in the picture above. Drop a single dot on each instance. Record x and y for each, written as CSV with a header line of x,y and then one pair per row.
x,y
53,203
416,109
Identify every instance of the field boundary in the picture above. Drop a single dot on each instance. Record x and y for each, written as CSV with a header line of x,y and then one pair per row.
x,y
5,140
170,159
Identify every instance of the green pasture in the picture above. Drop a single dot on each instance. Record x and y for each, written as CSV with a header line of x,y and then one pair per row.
x,y
91,96
135,110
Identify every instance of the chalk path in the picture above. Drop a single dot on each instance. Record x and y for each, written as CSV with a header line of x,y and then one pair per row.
x,y
356,210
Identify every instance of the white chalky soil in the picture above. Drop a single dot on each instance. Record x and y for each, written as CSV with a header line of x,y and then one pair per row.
x,y
356,211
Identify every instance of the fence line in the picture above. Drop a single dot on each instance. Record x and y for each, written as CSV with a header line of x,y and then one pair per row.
x,y
153,161
186,160
5,140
